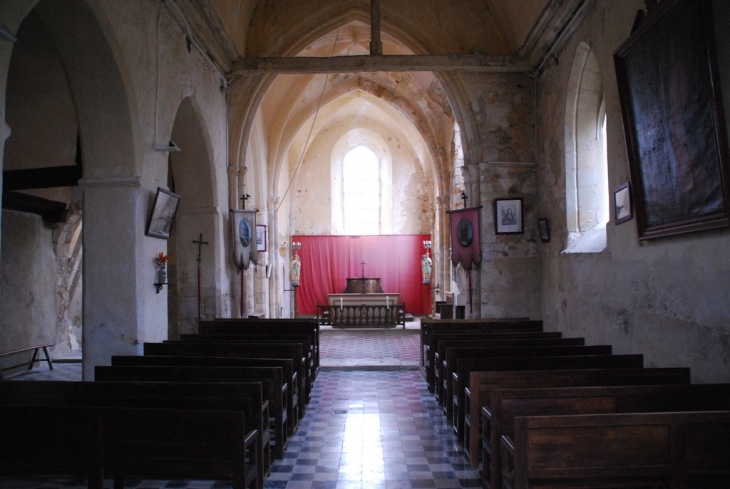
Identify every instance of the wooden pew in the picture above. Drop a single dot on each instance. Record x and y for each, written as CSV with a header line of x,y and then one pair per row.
x,y
255,404
290,404
482,384
677,450
305,341
465,366
454,355
266,326
45,424
239,350
214,397
43,440
432,326
507,404
272,376
43,429
485,341
430,351
172,444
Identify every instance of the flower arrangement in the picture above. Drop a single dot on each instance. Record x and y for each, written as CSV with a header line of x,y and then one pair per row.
x,y
161,259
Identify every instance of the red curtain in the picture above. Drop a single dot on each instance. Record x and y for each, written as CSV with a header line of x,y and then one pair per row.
x,y
327,261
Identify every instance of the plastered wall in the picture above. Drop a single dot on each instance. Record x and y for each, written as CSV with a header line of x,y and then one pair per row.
x,y
666,298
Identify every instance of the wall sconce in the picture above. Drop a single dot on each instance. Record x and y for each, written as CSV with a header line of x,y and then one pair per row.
x,y
161,271
427,244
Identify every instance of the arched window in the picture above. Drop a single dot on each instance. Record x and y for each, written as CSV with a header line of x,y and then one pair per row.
x,y
361,191
586,168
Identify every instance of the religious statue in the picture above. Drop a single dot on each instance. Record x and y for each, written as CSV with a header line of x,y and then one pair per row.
x,y
426,266
295,267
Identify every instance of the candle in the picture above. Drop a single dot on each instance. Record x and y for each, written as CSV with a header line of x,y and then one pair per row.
x,y
387,301
340,303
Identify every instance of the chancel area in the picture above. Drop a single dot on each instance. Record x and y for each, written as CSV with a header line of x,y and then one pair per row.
x,y
559,168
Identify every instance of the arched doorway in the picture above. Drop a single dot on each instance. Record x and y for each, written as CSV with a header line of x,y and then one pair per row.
x,y
190,176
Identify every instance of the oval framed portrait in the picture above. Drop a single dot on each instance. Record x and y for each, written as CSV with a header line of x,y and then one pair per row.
x,y
465,233
245,232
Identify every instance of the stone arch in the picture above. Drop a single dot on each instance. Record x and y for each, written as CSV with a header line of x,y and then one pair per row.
x,y
586,176
334,16
191,177
104,109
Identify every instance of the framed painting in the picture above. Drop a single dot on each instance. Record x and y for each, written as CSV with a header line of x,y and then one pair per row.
x,y
261,237
163,214
622,210
673,119
508,216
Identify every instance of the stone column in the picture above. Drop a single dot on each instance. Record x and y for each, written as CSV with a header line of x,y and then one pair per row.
x,y
510,270
273,247
120,307
472,189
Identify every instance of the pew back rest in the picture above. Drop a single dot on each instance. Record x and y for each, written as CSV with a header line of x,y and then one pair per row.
x,y
43,439
175,443
671,447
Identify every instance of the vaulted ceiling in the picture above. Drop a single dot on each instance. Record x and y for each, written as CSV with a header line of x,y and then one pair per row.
x,y
520,33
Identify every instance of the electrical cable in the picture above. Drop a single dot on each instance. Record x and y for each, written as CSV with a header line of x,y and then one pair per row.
x,y
314,121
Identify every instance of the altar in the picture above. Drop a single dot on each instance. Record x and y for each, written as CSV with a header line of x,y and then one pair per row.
x,y
362,310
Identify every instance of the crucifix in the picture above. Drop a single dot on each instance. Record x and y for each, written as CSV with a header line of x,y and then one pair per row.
x,y
244,198
464,196
200,244
363,268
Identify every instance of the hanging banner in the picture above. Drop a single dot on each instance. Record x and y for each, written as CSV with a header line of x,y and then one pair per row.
x,y
465,243
243,222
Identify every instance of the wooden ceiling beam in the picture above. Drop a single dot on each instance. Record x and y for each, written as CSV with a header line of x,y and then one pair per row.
x,y
369,63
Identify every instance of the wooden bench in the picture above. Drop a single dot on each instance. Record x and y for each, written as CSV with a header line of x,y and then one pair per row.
x,y
266,326
482,385
43,440
677,450
305,340
482,341
455,355
274,375
290,401
45,424
431,326
507,404
253,397
465,366
33,359
172,444
241,350
431,350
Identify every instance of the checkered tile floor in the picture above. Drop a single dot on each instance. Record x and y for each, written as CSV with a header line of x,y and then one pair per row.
x,y
362,430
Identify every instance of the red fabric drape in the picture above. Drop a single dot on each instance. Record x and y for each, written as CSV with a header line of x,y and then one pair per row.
x,y
328,261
